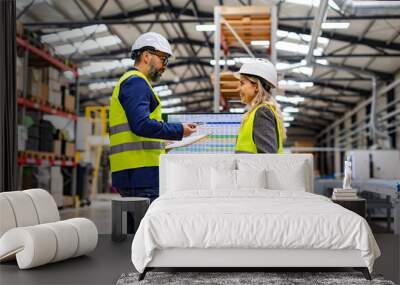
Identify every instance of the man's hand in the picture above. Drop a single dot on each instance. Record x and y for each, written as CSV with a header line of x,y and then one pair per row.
x,y
189,128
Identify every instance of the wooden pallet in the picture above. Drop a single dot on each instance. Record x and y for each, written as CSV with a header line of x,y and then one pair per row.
x,y
38,155
251,23
229,85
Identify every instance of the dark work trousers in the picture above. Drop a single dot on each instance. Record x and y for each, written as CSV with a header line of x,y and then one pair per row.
x,y
151,193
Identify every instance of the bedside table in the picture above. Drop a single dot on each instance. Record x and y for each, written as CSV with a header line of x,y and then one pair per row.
x,y
356,205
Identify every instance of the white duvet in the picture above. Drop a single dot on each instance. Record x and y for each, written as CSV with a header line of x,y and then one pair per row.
x,y
254,218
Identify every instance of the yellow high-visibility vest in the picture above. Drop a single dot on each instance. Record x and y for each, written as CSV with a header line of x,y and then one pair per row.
x,y
245,141
128,150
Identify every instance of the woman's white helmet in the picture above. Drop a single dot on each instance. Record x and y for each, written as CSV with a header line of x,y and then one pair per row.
x,y
262,68
154,40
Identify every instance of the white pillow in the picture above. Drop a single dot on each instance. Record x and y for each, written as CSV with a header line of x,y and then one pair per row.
x,y
251,178
223,179
293,180
284,172
182,177
194,174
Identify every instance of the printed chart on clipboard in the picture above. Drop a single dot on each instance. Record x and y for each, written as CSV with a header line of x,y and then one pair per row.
x,y
222,130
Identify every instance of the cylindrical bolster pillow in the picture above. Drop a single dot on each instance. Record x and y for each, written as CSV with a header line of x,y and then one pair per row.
x,y
37,245
45,205
33,246
87,234
67,240
7,218
23,207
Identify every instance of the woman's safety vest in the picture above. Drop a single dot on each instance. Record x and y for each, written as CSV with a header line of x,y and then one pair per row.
x,y
128,150
245,141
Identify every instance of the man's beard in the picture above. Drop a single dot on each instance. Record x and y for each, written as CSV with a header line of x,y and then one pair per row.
x,y
154,74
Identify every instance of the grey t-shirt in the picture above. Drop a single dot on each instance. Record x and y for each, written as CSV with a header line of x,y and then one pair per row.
x,y
265,131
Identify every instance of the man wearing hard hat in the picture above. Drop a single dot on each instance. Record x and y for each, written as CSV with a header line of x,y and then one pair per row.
x,y
137,131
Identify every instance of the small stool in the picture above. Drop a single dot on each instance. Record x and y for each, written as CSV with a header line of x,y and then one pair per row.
x,y
136,205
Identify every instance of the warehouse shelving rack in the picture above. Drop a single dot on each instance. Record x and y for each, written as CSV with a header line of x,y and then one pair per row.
x,y
44,108
348,133
28,158
237,27
97,116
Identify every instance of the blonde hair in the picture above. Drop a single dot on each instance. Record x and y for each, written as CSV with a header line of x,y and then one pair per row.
x,y
264,96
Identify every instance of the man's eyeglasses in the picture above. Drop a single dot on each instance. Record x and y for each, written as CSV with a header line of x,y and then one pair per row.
x,y
162,57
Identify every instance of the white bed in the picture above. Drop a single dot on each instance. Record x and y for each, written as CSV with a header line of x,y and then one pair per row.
x,y
215,211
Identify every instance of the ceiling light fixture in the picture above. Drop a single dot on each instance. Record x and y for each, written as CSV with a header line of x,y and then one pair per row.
x,y
292,99
223,62
205,28
291,84
260,43
290,110
335,25
236,110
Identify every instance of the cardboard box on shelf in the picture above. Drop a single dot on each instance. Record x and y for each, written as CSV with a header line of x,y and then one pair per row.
x,y
54,74
20,65
70,149
63,80
54,85
57,147
36,74
54,98
69,103
35,82
83,129
57,99
45,75
20,82
56,185
22,137
20,74
36,89
51,97
45,92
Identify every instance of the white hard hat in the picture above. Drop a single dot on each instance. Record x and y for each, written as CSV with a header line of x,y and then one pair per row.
x,y
262,68
154,40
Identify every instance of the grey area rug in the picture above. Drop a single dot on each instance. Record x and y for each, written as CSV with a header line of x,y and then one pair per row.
x,y
229,278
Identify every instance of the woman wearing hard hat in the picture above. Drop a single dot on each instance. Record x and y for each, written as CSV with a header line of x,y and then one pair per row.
x,y
262,129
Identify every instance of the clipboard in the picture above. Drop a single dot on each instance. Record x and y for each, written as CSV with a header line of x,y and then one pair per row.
x,y
186,141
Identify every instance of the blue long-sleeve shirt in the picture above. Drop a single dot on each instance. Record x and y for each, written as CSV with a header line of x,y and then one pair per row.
x,y
138,101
